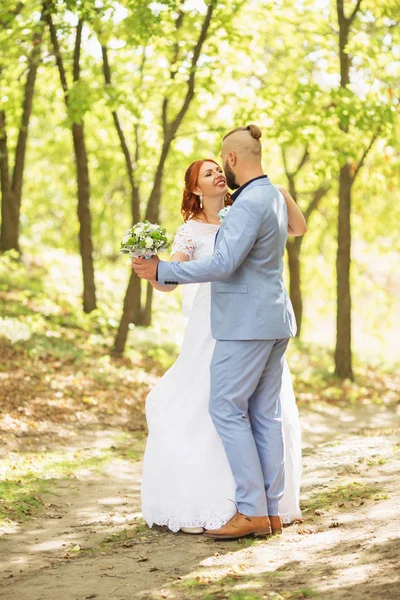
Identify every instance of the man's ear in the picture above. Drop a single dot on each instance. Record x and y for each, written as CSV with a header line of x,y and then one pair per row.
x,y
232,157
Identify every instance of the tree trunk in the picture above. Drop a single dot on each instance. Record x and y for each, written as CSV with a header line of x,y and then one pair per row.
x,y
153,205
81,160
82,176
9,214
293,250
12,187
343,354
146,313
134,289
343,358
137,293
130,308
293,245
85,219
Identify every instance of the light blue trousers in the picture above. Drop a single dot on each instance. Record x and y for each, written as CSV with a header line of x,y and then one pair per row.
x,y
246,380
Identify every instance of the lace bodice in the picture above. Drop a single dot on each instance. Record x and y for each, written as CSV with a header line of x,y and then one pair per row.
x,y
195,239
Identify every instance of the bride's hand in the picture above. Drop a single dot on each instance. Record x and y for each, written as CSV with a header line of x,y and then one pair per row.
x,y
146,269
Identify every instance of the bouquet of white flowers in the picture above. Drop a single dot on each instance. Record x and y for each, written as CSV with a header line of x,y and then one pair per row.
x,y
144,239
223,212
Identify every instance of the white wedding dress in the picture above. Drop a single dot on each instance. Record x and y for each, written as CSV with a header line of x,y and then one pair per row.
x,y
187,480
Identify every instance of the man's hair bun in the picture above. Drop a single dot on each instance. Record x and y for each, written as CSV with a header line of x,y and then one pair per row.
x,y
255,131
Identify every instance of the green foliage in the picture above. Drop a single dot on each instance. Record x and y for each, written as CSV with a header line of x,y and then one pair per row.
x,y
80,100
288,83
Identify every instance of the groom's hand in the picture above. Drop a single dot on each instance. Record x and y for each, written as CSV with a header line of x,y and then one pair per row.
x,y
146,268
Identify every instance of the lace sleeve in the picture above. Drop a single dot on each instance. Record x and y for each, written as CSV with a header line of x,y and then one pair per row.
x,y
184,241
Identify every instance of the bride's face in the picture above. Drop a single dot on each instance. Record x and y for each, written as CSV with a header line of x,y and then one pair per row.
x,y
211,181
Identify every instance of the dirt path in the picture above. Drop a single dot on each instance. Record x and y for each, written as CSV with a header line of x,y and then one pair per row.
x,y
90,541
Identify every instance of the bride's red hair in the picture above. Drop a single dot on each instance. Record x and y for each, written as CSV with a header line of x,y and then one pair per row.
x,y
190,207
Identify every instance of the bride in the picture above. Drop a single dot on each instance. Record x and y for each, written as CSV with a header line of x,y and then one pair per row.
x,y
187,481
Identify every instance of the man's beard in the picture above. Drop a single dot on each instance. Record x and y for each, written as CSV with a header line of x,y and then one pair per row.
x,y
230,177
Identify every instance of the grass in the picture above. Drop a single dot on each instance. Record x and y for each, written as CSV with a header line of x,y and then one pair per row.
x,y
373,462
242,596
281,595
137,534
20,499
340,495
28,475
249,542
303,593
139,529
235,577
249,587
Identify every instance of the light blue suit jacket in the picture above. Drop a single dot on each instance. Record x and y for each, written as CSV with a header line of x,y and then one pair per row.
x,y
248,296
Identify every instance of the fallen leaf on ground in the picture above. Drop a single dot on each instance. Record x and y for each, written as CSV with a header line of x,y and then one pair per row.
x,y
334,524
305,531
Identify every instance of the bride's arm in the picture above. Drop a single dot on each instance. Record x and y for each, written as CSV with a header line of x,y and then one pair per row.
x,y
179,257
182,251
296,222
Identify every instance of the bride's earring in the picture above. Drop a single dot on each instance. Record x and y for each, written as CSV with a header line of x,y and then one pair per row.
x,y
201,200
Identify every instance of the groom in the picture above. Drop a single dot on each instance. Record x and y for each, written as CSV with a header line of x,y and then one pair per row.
x,y
252,320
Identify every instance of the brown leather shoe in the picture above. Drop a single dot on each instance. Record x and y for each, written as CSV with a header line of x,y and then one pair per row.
x,y
241,526
276,525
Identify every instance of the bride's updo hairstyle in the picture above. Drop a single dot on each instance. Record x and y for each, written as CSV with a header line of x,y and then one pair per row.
x,y
190,207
